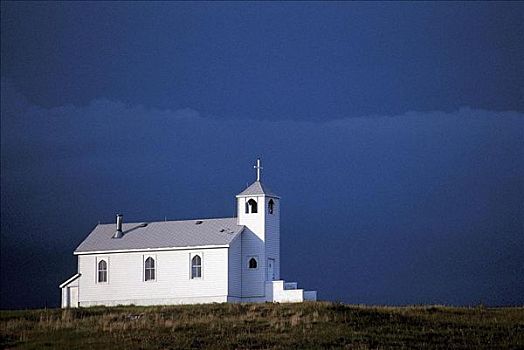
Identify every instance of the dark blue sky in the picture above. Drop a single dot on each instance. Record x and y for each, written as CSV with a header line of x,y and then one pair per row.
x,y
272,61
393,131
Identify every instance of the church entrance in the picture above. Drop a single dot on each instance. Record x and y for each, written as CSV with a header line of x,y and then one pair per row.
x,y
270,269
72,296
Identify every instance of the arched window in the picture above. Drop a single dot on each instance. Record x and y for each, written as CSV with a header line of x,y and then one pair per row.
x,y
251,206
149,269
102,271
270,206
252,263
196,267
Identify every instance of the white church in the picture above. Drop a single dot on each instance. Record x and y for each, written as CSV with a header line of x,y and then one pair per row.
x,y
186,262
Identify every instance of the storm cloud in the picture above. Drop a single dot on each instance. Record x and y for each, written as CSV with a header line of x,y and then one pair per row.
x,y
423,207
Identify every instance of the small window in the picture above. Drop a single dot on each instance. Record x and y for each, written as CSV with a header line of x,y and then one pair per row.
x,y
196,267
270,206
149,269
102,271
253,263
251,206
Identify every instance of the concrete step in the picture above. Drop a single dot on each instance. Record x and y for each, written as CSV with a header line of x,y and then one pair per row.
x,y
287,292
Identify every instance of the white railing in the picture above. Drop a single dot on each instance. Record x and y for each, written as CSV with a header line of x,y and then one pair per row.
x,y
290,285
310,295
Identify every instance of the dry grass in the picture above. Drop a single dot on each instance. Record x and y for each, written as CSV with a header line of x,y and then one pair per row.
x,y
263,326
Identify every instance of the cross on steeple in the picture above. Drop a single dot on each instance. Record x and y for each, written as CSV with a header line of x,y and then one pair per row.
x,y
258,167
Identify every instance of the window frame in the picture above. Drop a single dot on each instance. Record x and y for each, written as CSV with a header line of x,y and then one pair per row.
x,y
192,255
154,268
97,269
256,260
250,207
271,206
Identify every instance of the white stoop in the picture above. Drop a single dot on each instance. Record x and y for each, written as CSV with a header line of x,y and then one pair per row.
x,y
287,292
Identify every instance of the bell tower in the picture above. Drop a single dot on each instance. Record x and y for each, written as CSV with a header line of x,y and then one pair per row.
x,y
258,209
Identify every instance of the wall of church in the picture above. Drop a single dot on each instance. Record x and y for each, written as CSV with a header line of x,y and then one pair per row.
x,y
261,241
253,246
253,279
255,222
172,285
235,268
272,235
70,295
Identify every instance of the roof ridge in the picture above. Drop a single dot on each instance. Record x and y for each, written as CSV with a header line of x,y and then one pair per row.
x,y
152,222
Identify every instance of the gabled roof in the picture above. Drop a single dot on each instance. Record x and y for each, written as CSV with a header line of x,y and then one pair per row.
x,y
257,188
162,234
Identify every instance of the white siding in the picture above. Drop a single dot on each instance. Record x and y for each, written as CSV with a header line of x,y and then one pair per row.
x,y
68,293
253,244
261,239
255,222
235,269
272,234
172,285
252,279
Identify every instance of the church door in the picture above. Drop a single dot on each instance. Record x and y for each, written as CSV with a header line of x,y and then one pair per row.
x,y
270,269
72,296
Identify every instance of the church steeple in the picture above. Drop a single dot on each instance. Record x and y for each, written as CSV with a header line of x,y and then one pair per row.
x,y
258,209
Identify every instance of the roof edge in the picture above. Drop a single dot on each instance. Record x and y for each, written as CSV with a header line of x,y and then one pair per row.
x,y
257,195
72,279
239,234
152,222
133,250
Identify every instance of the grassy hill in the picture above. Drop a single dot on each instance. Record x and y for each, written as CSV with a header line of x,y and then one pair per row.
x,y
262,326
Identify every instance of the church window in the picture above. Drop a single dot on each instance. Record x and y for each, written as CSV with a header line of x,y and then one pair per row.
x,y
270,206
251,206
253,263
149,269
196,267
102,271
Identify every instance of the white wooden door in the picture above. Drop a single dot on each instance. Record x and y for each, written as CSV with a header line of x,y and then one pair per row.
x,y
270,269
72,296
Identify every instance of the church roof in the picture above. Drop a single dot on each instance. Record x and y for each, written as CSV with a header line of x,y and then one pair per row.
x,y
68,281
162,234
257,188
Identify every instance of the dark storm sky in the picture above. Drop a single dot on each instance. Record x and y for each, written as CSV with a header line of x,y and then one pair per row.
x,y
394,133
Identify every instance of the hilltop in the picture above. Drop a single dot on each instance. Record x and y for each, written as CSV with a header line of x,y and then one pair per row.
x,y
261,326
